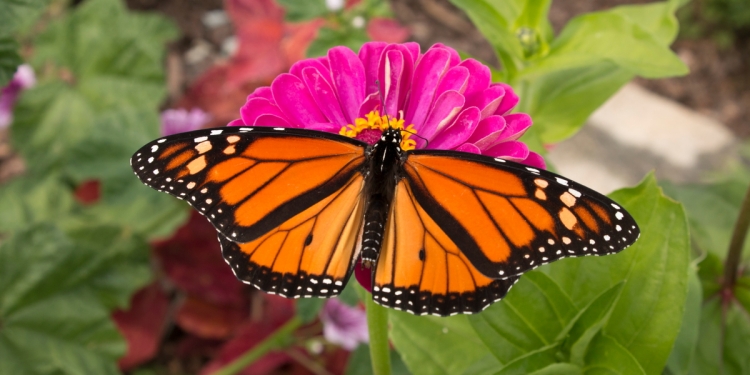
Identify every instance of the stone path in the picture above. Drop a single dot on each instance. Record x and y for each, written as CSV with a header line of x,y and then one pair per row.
x,y
637,131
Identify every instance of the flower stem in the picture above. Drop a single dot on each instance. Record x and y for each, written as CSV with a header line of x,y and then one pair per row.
x,y
732,263
274,341
377,325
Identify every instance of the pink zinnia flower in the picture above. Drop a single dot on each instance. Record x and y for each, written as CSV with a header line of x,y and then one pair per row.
x,y
175,121
344,325
22,79
439,100
450,103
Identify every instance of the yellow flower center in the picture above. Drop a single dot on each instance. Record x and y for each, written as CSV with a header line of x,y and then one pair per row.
x,y
370,128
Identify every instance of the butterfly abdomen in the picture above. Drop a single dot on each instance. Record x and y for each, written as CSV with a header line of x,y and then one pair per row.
x,y
384,161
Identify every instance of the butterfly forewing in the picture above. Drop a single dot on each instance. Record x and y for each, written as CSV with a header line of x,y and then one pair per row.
x,y
508,218
248,181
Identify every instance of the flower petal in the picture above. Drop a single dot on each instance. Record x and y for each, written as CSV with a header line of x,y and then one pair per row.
x,y
325,127
294,100
470,148
513,150
479,78
261,92
236,122
488,101
535,160
394,81
446,107
257,107
430,68
488,132
371,103
370,54
516,125
324,96
510,99
403,83
348,75
363,276
414,51
458,131
273,121
301,65
455,79
455,58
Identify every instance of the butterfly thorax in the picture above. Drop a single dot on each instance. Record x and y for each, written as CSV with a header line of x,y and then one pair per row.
x,y
384,162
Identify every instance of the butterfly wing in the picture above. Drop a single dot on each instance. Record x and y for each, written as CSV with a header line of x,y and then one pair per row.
x,y
508,218
421,269
276,196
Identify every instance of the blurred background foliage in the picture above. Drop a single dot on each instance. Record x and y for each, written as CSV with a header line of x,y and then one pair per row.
x,y
99,274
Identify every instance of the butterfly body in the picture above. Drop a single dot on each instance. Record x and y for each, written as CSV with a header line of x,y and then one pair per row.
x,y
443,232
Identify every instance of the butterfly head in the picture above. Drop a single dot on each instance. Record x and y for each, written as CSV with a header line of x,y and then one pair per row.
x,y
391,137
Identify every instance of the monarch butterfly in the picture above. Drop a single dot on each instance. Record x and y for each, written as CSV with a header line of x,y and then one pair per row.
x,y
444,232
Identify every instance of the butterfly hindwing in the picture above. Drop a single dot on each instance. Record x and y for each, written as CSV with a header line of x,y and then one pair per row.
x,y
249,180
508,218
422,271
309,255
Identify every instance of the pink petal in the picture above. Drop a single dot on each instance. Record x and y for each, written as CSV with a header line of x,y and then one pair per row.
x,y
348,76
403,83
455,57
236,122
488,132
414,50
294,100
470,148
370,54
479,78
517,124
325,127
273,121
458,132
393,82
513,150
257,107
509,100
454,79
431,67
363,276
371,103
442,114
301,65
323,95
488,101
535,160
261,92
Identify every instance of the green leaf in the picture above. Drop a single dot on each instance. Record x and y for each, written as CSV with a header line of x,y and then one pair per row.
x,y
608,356
17,13
27,200
349,295
9,59
328,38
724,334
113,62
530,362
559,369
296,11
494,19
683,351
309,308
589,323
57,291
647,317
360,362
431,345
531,317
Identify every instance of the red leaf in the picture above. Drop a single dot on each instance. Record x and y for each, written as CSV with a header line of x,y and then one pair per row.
x,y
210,320
387,30
142,325
274,313
192,260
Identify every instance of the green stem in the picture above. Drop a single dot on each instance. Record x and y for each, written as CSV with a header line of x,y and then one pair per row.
x,y
377,325
734,255
276,340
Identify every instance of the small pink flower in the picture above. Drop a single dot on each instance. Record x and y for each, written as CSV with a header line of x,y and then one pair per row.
x,y
344,325
24,78
449,102
175,121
